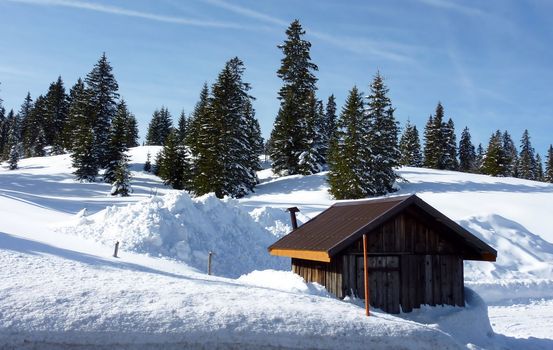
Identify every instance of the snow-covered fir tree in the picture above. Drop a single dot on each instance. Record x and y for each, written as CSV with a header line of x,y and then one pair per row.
x,y
435,141
14,139
121,185
511,156
291,136
24,114
132,130
255,141
117,142
224,164
174,163
480,153
11,134
312,160
182,127
467,153
56,116
539,168
84,157
494,162
450,142
34,138
200,113
409,146
103,90
329,125
148,163
382,138
548,175
526,168
348,155
159,128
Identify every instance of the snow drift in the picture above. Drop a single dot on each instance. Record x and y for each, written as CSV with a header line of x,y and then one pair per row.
x,y
177,226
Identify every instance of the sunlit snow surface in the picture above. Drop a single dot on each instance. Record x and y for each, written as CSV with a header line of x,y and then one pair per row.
x,y
60,287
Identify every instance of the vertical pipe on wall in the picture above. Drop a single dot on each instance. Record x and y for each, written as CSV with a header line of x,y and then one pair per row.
x,y
366,268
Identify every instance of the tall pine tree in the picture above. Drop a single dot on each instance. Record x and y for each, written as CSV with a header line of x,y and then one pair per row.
x,y
539,168
494,162
159,128
527,160
56,116
409,146
103,90
348,158
117,143
548,176
382,138
436,139
84,156
467,153
291,137
511,157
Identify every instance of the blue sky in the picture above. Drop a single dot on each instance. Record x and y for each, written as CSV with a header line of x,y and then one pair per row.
x,y
488,62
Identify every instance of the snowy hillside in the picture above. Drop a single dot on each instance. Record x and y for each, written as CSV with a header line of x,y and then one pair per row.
x,y
59,284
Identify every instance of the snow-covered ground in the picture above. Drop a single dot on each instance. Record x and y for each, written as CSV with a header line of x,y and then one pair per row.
x,y
60,287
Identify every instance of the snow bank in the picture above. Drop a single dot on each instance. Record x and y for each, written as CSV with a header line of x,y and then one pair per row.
x,y
276,220
521,254
177,226
286,281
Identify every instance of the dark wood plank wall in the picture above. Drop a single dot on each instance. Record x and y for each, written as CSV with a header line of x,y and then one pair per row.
x,y
410,264
326,274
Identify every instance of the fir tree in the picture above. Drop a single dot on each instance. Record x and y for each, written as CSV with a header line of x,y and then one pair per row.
x,y
348,153
121,186
480,153
527,162
330,118
436,139
382,138
159,128
84,156
24,114
35,137
223,163
548,176
182,128
173,164
539,168
103,99
450,143
511,157
494,162
148,164
13,143
200,113
291,136
311,160
409,146
467,153
132,131
11,134
117,144
56,116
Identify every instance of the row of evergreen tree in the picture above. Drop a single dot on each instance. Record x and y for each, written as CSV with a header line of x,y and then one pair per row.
x,y
217,148
499,158
91,122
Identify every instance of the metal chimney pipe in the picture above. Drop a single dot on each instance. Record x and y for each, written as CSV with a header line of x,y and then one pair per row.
x,y
293,211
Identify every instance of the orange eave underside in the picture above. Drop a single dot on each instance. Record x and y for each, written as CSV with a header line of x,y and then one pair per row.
x,y
302,254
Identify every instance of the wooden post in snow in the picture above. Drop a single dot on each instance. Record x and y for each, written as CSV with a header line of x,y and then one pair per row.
x,y
367,301
209,262
116,249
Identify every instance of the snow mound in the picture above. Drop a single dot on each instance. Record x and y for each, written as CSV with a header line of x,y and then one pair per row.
x,y
520,253
276,220
184,228
285,281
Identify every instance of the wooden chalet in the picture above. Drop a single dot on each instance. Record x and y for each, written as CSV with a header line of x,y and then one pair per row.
x,y
414,253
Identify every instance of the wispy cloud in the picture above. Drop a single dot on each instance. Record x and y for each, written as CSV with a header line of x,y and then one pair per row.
x,y
454,6
356,45
9,70
116,10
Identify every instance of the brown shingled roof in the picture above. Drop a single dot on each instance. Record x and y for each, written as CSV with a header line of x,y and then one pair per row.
x,y
343,223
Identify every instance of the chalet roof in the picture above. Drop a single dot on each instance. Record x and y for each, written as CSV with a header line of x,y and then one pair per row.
x,y
345,222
